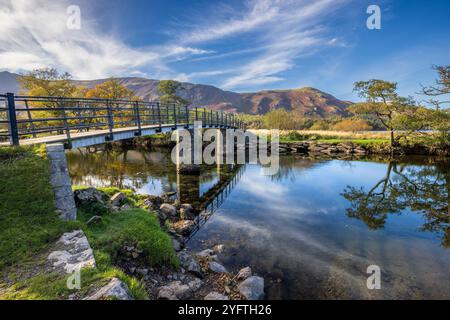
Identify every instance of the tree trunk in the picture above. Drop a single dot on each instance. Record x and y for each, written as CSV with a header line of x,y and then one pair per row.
x,y
392,138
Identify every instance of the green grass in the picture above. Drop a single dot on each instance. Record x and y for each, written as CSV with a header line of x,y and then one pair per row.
x,y
53,286
29,224
27,214
135,226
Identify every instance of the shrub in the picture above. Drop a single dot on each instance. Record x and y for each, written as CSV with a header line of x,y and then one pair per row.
x,y
352,125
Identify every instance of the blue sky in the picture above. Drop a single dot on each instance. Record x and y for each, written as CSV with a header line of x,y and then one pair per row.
x,y
235,45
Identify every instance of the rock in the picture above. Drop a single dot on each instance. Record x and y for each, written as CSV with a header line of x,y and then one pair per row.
x,y
205,253
174,291
152,202
114,289
190,264
187,212
184,227
216,267
89,195
94,220
244,273
215,296
195,284
168,209
219,248
143,272
118,199
252,288
125,207
75,253
176,245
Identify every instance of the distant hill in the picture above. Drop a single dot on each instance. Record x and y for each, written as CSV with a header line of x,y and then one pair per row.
x,y
305,101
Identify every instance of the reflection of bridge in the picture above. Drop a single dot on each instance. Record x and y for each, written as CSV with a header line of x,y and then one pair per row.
x,y
208,203
78,122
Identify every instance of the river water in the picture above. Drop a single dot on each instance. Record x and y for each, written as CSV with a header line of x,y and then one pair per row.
x,y
313,229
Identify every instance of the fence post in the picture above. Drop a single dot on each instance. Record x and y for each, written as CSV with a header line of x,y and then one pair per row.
x,y
66,124
12,120
187,117
175,115
137,118
196,114
110,120
159,116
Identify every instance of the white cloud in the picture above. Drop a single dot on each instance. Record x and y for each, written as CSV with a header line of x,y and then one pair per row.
x,y
280,31
34,35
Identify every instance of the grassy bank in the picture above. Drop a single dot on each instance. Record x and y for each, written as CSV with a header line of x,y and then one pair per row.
x,y
27,212
30,226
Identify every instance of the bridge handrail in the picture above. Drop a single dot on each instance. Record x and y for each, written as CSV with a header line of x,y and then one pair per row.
x,y
26,117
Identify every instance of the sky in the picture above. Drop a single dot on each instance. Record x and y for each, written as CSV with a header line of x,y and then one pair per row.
x,y
240,45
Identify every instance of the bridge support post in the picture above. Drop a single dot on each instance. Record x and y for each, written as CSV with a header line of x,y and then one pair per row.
x,y
191,167
60,181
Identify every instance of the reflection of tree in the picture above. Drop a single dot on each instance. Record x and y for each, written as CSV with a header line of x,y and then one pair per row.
x,y
423,189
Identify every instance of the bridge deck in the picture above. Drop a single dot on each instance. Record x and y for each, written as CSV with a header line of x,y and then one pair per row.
x,y
81,139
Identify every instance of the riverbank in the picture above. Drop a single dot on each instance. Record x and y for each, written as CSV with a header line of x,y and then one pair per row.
x,y
127,246
336,142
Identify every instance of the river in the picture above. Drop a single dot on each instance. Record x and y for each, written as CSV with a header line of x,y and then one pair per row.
x,y
313,229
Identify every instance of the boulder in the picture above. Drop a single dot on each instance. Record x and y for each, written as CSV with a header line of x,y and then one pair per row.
x,y
184,227
187,211
195,284
74,253
190,264
168,209
215,296
176,245
216,267
89,195
252,288
244,273
174,291
205,253
115,289
118,199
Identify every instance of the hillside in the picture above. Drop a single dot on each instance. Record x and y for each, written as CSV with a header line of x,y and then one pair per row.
x,y
305,101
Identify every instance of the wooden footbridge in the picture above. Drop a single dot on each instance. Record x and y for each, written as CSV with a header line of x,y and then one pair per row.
x,y
78,122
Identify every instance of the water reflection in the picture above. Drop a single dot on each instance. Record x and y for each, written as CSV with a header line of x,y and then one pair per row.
x,y
424,189
312,229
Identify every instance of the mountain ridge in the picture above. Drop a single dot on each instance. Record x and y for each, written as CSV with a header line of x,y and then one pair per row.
x,y
307,101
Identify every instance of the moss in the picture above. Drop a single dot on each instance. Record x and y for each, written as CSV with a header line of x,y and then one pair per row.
x,y
27,213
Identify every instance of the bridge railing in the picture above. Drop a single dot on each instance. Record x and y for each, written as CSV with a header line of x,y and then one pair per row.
x,y
27,117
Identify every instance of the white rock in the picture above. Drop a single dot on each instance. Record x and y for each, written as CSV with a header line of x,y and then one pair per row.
x,y
75,254
174,291
118,199
205,253
114,289
215,296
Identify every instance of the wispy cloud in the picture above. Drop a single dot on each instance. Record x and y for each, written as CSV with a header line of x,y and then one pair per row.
x,y
281,31
34,34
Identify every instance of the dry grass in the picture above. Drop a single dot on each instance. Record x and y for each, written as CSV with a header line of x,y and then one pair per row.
x,y
332,134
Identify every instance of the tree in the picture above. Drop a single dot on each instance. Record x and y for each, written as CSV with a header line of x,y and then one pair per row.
x,y
282,119
383,102
111,89
440,88
47,82
168,90
352,125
